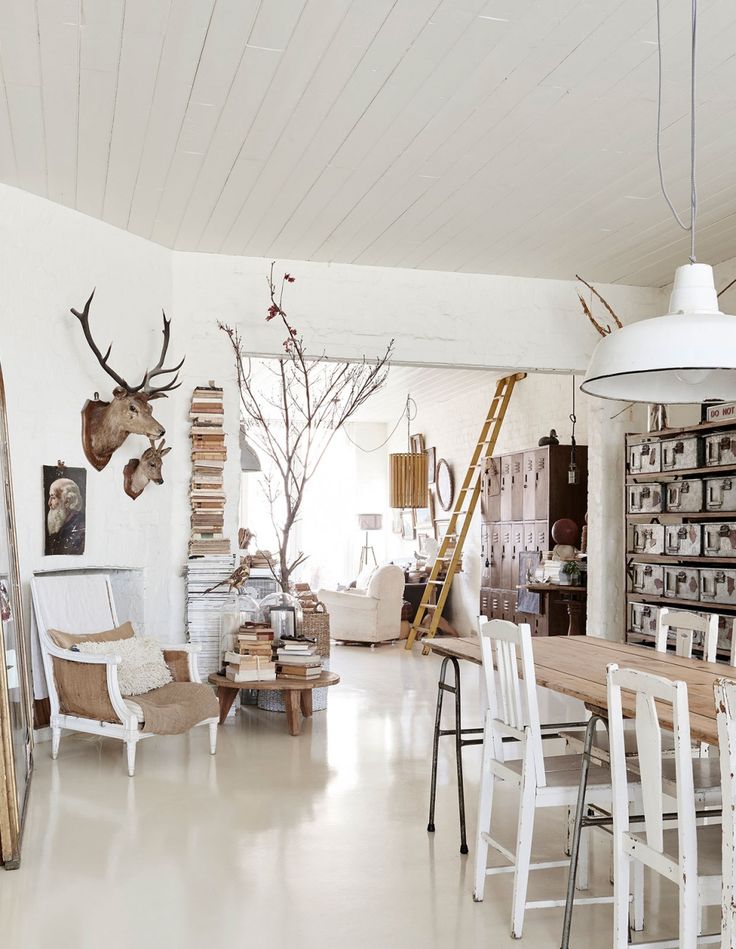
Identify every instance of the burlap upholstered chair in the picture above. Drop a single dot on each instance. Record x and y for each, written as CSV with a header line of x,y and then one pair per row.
x,y
83,688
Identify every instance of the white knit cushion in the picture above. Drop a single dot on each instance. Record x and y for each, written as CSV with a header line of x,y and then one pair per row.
x,y
143,667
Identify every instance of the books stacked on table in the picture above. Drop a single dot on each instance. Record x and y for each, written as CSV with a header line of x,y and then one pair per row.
x,y
552,570
298,659
254,633
207,492
246,646
249,667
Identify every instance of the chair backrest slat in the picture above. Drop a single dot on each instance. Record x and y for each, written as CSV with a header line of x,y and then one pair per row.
x,y
685,625
649,746
725,695
651,691
509,647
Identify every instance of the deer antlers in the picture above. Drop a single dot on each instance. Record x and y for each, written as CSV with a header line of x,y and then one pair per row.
x,y
144,387
158,449
602,330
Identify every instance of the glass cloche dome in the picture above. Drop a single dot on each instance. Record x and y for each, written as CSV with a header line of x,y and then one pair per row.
x,y
284,612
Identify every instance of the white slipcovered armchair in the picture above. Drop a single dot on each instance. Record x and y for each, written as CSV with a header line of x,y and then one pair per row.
x,y
370,615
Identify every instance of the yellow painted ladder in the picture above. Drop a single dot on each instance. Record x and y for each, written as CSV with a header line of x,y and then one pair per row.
x,y
451,548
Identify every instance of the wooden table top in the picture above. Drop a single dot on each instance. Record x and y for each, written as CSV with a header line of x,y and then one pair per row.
x,y
576,666
279,684
552,588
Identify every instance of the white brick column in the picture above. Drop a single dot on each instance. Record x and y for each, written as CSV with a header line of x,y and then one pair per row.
x,y
607,425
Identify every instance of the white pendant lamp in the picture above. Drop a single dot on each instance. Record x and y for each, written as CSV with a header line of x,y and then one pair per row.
x,y
689,355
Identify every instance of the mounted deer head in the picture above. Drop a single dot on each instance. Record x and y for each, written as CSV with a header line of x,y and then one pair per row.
x,y
137,473
106,425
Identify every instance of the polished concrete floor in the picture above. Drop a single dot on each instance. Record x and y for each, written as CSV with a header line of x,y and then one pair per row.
x,y
315,841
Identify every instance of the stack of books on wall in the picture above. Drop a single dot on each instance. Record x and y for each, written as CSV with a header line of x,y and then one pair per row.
x,y
298,659
261,559
249,667
205,609
207,493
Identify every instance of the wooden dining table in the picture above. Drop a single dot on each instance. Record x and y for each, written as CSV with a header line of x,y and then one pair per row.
x,y
576,666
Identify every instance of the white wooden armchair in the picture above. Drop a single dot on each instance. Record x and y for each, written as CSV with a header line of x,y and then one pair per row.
x,y
84,692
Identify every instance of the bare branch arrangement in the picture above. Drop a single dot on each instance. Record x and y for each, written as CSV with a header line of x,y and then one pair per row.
x,y
294,423
602,330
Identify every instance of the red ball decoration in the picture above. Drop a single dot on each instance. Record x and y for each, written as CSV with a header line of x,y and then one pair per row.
x,y
565,531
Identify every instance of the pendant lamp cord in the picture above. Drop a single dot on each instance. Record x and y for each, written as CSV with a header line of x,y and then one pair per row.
x,y
573,418
406,411
693,85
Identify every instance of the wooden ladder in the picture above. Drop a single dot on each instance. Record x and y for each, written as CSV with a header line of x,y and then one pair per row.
x,y
451,547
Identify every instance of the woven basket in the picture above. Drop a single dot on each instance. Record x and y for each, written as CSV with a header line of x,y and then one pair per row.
x,y
317,626
269,700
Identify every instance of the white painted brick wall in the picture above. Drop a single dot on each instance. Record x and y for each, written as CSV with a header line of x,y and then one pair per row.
x,y
52,257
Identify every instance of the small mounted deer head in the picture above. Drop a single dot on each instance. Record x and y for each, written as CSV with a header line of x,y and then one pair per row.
x,y
137,473
106,425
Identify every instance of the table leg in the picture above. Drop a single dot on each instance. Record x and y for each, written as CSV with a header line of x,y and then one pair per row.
x,y
293,711
576,626
436,745
305,700
578,829
226,698
459,757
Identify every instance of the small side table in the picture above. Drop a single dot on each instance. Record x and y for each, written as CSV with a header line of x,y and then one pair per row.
x,y
297,701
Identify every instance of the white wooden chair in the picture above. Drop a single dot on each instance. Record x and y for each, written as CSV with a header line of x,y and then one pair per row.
x,y
542,782
684,626
687,855
82,604
725,694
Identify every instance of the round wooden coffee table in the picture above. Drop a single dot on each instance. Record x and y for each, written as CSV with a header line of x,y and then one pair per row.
x,y
297,698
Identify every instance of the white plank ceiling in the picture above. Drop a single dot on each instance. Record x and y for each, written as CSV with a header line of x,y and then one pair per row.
x,y
486,136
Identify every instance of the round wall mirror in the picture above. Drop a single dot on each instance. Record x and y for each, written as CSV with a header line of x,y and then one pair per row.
x,y
444,485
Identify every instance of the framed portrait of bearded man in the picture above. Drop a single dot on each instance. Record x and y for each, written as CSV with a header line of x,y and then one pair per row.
x,y
65,509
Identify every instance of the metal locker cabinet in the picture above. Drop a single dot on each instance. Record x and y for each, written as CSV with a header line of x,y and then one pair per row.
x,y
506,556
529,506
506,485
496,555
541,483
517,486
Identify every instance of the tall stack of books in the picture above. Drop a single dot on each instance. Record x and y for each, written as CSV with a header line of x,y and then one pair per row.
x,y
207,491
208,599
298,659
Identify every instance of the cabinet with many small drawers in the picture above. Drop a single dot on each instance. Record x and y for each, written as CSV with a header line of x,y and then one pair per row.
x,y
680,505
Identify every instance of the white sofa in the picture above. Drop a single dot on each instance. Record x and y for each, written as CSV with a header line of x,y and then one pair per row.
x,y
369,615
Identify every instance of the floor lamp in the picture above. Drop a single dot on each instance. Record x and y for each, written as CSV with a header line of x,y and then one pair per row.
x,y
368,522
